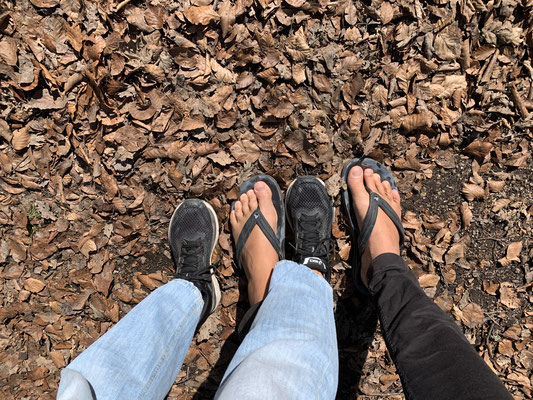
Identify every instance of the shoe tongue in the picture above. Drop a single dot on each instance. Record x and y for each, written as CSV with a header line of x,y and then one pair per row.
x,y
315,263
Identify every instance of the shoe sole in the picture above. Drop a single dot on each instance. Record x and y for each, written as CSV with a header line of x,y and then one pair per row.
x,y
214,280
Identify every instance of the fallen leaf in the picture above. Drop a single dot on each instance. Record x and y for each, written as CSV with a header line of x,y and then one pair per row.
x,y
428,280
491,287
21,139
201,15
414,122
466,215
245,151
8,51
45,3
472,191
34,285
508,296
472,315
513,251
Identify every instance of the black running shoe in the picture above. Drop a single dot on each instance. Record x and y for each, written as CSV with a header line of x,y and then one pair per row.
x,y
193,234
310,215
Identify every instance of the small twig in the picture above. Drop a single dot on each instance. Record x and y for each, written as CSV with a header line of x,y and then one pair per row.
x,y
519,104
206,359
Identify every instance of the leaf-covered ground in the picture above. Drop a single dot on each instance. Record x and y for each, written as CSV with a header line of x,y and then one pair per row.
x,y
112,112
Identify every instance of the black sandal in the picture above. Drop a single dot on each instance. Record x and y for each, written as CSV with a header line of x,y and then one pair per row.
x,y
257,218
370,219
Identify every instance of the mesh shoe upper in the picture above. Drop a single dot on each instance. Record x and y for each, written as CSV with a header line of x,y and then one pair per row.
x,y
193,233
310,215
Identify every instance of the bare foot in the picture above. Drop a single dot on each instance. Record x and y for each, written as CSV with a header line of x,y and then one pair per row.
x,y
258,256
385,237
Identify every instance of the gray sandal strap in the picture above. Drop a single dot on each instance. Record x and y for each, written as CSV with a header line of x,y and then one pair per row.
x,y
370,219
257,218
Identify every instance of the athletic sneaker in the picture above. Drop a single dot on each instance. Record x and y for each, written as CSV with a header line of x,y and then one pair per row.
x,y
310,215
193,234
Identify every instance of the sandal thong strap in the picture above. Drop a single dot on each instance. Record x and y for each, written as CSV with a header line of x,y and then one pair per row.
x,y
257,218
370,219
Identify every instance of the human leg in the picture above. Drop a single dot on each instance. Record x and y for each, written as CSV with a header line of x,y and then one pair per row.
x,y
290,350
433,358
140,357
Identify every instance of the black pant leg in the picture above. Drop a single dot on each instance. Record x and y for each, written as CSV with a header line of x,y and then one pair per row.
x,y
434,359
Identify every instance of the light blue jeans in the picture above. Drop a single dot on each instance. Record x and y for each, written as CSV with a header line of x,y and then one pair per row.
x,y
290,351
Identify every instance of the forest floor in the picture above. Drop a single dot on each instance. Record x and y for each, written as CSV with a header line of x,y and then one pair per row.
x,y
111,113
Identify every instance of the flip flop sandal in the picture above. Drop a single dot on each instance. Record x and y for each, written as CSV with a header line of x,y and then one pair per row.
x,y
277,240
370,219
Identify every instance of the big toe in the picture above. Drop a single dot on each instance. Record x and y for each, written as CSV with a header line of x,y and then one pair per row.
x,y
263,194
357,185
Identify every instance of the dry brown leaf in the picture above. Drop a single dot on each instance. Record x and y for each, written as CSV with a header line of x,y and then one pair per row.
x,y
34,285
495,186
513,251
221,158
352,88
58,359
466,215
87,246
298,73
270,75
192,123
322,83
428,280
221,73
281,109
201,15
8,51
457,251
386,12
227,17
478,149
491,287
21,139
472,191
45,3
75,37
508,296
421,120
499,204
155,71
472,315
245,151
447,43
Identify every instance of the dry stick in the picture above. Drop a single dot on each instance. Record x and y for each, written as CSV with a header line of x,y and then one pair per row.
x,y
519,104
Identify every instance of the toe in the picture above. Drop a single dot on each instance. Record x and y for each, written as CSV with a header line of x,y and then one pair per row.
x,y
369,179
357,184
245,204
395,196
238,211
263,193
379,185
233,218
386,188
252,200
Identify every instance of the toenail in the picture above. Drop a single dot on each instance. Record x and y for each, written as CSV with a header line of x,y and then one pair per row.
x,y
260,186
356,172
